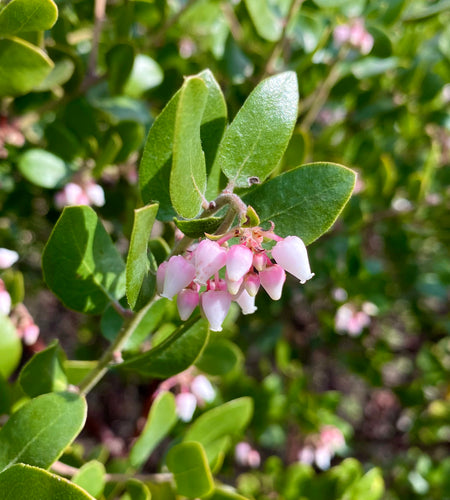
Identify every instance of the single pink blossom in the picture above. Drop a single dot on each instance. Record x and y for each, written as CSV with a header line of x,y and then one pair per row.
x,y
215,306
95,194
272,280
209,258
291,255
202,389
246,302
185,403
5,300
7,258
187,301
252,283
179,274
239,261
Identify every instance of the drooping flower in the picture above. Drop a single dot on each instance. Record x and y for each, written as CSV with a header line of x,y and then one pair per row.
x,y
185,404
209,258
7,258
246,302
247,456
179,274
202,389
272,279
187,301
215,306
239,261
5,300
291,254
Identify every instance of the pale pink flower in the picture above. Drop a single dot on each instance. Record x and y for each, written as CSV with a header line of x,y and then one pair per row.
x,y
95,194
239,261
179,274
272,280
322,457
246,302
252,283
209,258
215,306
187,301
233,287
246,456
5,300
306,455
160,276
341,34
349,320
202,389
7,258
260,260
332,438
30,334
291,254
185,403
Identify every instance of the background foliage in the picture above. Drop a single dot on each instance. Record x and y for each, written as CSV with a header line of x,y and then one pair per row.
x,y
80,88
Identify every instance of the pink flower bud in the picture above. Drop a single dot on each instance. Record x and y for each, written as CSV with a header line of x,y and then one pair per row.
x,y
30,334
357,32
5,300
341,34
187,301
246,302
202,389
306,455
239,261
160,276
233,287
95,194
251,284
366,43
178,275
323,458
260,260
7,258
215,306
71,194
272,280
253,459
185,404
241,452
209,258
292,256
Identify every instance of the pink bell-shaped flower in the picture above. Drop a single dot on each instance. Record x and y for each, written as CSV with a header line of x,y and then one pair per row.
x,y
251,284
290,253
178,275
233,287
239,261
185,403
209,258
260,260
272,280
95,194
5,300
160,276
187,301
7,258
215,305
202,389
246,302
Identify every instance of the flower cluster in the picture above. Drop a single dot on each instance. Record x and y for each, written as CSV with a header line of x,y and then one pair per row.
x,y
88,193
350,320
192,390
321,448
247,456
355,35
195,277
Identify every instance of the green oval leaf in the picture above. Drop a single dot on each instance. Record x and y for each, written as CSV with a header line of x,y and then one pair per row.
x,y
161,418
136,490
146,73
119,59
255,141
138,264
10,347
223,421
20,16
40,430
43,168
305,201
188,174
268,16
24,481
196,228
44,372
174,354
80,263
91,477
219,357
23,66
190,469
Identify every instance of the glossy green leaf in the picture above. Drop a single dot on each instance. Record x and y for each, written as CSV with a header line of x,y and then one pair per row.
x,y
136,490
417,13
145,74
27,15
60,74
44,372
14,283
91,477
40,430
189,466
119,60
370,486
161,418
305,201
10,347
23,481
138,264
219,357
188,174
267,16
80,263
43,168
23,66
174,354
196,228
77,370
255,141
373,66
225,420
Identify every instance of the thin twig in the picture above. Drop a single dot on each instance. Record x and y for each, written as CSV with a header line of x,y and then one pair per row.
x,y
278,48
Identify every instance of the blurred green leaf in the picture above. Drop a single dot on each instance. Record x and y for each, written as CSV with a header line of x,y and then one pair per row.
x,y
44,372
91,477
255,141
188,174
145,74
23,481
40,430
305,201
10,347
80,263
23,66
60,74
370,486
161,418
27,15
138,265
120,61
189,466
174,354
268,16
136,490
43,168
219,357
